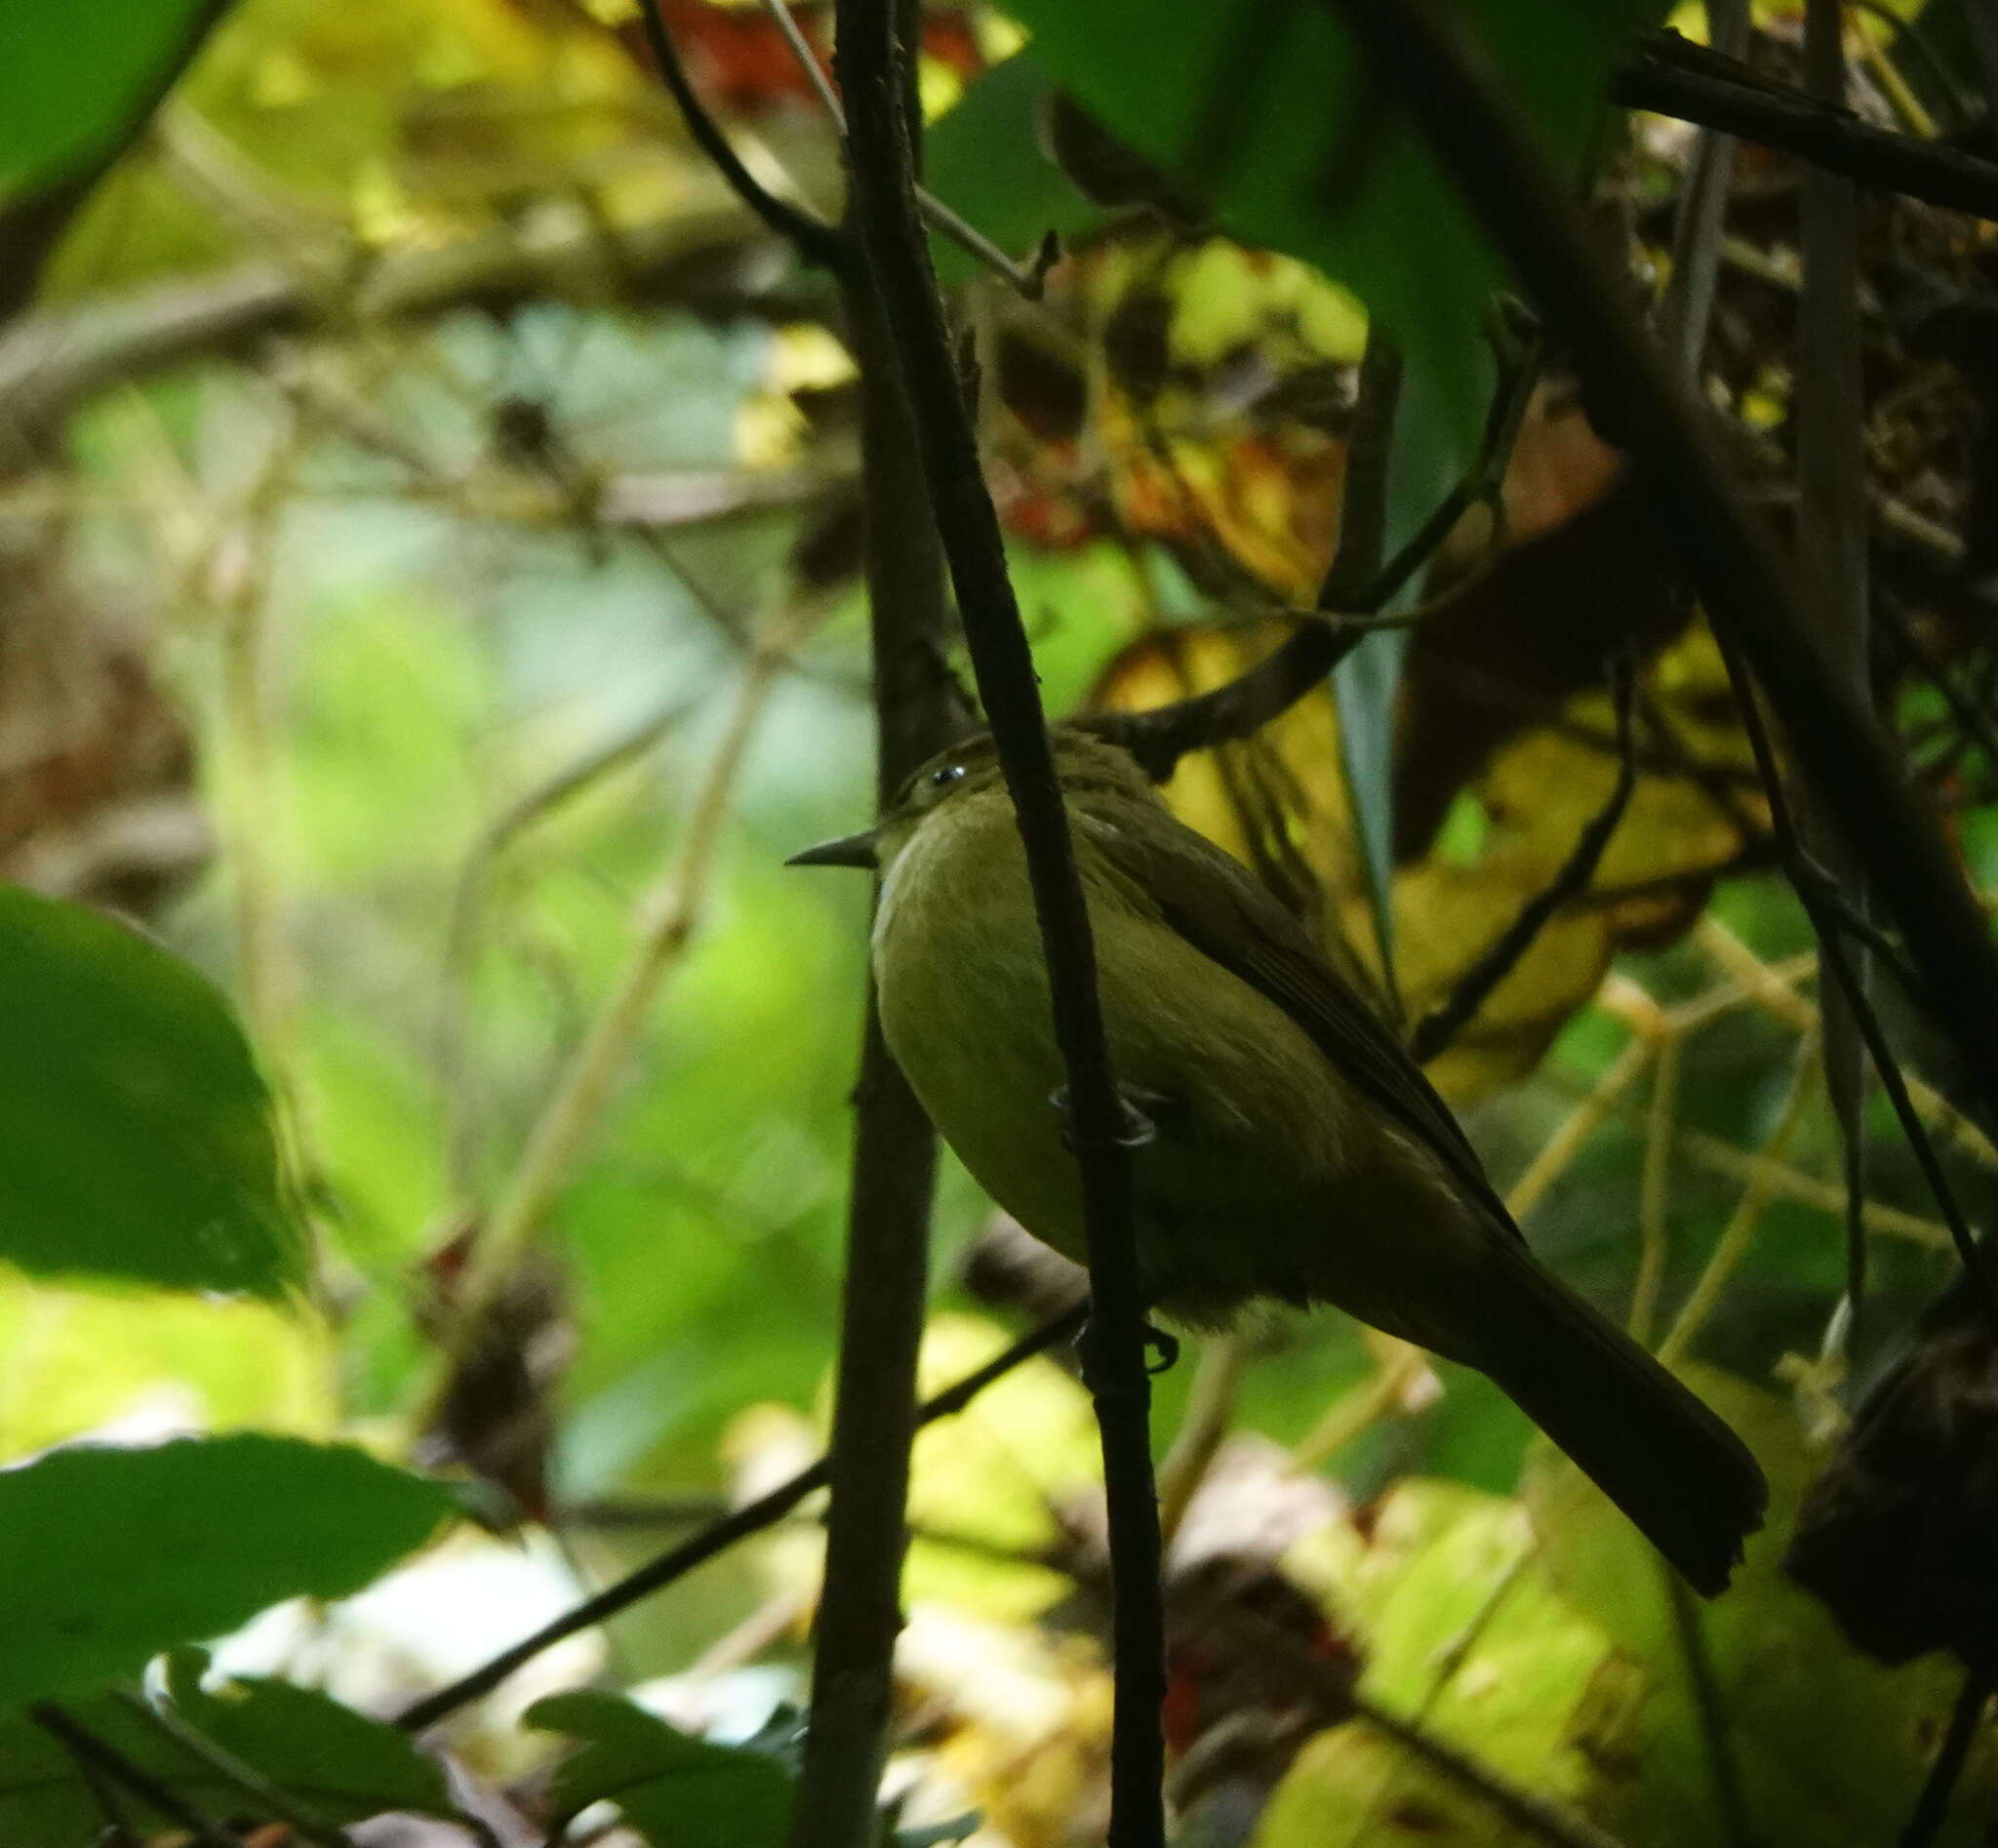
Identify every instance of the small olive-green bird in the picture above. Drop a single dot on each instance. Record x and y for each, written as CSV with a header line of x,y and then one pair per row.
x,y
1298,1151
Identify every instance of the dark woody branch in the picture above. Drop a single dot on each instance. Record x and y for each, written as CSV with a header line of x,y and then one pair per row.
x,y
1672,76
814,241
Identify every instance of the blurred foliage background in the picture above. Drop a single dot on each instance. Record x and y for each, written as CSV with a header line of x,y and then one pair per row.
x,y
430,511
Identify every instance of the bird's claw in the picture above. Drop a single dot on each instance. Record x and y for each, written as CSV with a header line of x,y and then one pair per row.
x,y
1139,1127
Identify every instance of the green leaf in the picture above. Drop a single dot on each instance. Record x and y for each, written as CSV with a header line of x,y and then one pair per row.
x,y
1303,151
1828,1744
984,160
331,1759
69,76
345,1765
136,1135
108,1556
673,1791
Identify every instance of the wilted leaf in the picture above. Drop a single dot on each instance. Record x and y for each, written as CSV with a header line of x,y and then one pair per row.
x,y
673,1791
108,1556
136,1133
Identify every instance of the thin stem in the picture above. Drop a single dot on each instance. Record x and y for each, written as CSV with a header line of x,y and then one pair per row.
x,y
1893,1080
269,1798
81,1742
1740,1231
1832,564
716,1538
1931,1807
1703,215
1160,738
1724,1767
1474,987
1746,592
1209,1412
666,924
1650,1207
1030,282
1671,77
894,1163
873,81
814,241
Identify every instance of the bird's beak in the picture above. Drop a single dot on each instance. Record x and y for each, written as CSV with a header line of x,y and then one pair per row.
x,y
850,849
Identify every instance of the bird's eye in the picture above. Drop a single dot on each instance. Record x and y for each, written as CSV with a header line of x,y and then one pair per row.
x,y
946,774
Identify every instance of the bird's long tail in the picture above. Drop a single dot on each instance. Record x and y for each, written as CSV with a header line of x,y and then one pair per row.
x,y
1681,1475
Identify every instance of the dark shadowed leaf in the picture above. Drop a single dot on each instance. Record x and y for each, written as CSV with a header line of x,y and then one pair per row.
x,y
985,161
108,1556
675,1791
136,1133
345,1765
338,1764
1269,113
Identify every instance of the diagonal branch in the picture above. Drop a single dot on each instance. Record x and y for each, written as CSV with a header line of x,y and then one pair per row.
x,y
1671,76
814,241
1747,594
717,1537
1474,987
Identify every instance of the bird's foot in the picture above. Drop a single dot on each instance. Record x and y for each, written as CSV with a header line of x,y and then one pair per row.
x,y
1141,1112
1161,1351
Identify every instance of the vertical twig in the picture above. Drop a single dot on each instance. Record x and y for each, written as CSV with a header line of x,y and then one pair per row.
x,y
894,1163
1652,1217
1723,1766
1740,1231
1702,214
1832,561
1210,1411
871,73
1932,1805
1745,589
1900,1090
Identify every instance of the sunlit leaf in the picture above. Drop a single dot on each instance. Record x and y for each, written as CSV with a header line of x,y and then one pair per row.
x,y
108,1556
1824,1738
136,1133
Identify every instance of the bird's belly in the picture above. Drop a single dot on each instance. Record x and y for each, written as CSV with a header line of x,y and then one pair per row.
x,y
1229,1193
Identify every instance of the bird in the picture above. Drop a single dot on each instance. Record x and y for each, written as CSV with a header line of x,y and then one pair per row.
x,y
1295,1149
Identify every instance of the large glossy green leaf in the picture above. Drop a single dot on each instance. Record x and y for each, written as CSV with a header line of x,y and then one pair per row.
x,y
673,1791
108,1556
136,1133
1269,113
69,76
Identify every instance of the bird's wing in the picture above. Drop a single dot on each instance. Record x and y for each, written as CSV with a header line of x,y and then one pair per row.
x,y
1214,903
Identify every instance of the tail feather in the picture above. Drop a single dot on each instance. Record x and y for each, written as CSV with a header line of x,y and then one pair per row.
x,y
1681,1475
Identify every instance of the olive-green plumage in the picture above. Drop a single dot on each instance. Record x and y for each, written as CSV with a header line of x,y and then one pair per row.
x,y
1299,1151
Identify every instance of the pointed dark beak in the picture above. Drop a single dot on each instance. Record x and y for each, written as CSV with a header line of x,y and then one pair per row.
x,y
850,849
